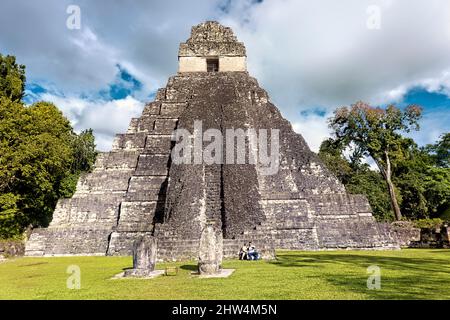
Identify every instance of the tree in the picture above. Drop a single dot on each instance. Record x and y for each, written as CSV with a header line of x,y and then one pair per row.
x,y
357,177
84,153
40,155
423,184
83,159
331,153
12,79
35,156
41,159
440,151
371,184
375,132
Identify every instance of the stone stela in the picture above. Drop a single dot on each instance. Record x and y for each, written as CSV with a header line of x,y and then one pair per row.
x,y
136,190
211,250
144,257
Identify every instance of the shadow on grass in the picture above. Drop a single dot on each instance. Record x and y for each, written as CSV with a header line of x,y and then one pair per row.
x,y
401,277
127,268
189,267
400,287
399,263
32,264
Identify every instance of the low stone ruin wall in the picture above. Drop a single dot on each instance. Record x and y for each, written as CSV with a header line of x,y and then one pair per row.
x,y
11,248
433,238
412,237
406,233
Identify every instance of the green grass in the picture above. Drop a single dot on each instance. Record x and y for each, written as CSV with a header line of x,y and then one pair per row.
x,y
405,274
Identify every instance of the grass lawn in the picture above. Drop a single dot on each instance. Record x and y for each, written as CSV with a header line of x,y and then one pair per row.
x,y
405,274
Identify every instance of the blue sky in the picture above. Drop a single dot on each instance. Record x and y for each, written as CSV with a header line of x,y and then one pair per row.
x,y
429,100
124,85
436,113
311,56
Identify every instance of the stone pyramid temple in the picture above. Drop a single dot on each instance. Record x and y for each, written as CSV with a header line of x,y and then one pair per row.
x,y
136,189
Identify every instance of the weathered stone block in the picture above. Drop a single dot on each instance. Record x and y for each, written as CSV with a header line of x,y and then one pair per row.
x,y
210,251
172,109
158,144
139,216
144,257
152,108
165,126
154,165
121,160
129,141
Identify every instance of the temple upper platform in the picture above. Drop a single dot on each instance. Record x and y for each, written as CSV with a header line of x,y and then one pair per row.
x,y
212,48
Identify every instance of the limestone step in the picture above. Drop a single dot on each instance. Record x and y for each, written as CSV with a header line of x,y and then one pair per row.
x,y
68,241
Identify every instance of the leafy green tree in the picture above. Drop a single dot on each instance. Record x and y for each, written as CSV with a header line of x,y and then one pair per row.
x,y
83,159
372,185
423,183
84,153
40,155
331,153
437,191
12,79
35,157
440,151
357,177
375,132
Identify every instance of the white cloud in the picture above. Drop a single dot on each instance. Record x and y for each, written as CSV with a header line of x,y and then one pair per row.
x,y
311,54
432,126
440,83
106,118
313,128
76,60
321,53
141,35
307,54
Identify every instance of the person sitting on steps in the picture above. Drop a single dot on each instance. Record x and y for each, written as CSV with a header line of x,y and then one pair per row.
x,y
243,253
252,253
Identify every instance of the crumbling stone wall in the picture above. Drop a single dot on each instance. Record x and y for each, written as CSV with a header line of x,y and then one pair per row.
x,y
406,232
11,248
433,238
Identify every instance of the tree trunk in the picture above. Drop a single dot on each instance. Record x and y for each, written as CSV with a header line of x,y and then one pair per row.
x,y
388,175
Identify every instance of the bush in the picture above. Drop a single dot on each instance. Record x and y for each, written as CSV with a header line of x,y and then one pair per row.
x,y
428,223
445,215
